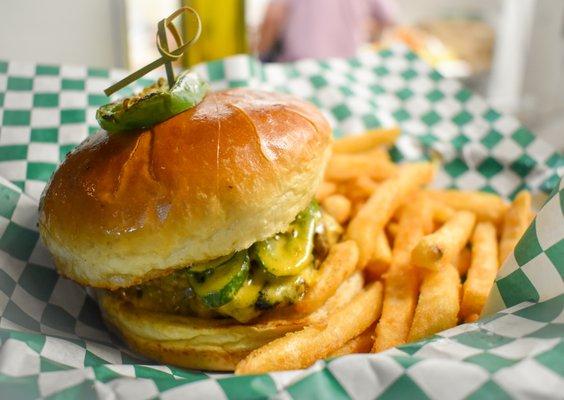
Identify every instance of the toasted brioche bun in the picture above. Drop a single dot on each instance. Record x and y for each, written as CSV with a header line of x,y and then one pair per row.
x,y
237,168
209,344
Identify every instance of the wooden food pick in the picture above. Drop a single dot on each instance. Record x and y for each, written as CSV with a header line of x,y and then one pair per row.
x,y
167,57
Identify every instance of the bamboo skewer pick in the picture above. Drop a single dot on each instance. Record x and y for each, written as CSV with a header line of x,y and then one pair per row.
x,y
167,57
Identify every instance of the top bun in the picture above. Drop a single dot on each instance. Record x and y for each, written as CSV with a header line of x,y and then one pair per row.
x,y
235,169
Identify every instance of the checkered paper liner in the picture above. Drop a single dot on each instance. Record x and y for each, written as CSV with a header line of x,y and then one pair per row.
x,y
54,344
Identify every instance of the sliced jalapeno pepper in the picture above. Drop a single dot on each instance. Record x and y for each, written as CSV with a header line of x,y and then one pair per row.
x,y
154,104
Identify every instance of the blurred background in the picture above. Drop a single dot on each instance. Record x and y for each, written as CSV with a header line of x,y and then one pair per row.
x,y
509,51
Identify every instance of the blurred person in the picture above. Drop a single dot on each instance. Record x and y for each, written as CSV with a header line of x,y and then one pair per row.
x,y
296,29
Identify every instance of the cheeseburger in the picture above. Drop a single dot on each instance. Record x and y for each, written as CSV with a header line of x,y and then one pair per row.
x,y
200,232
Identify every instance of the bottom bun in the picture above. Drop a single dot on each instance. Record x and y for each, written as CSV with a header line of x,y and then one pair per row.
x,y
208,344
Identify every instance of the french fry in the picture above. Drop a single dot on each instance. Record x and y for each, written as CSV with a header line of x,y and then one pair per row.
x,y
441,213
392,231
515,223
378,209
325,189
336,268
360,344
462,261
344,295
400,299
401,282
397,214
472,318
415,222
338,206
482,271
376,164
302,348
357,189
365,186
443,245
366,141
381,258
486,206
438,305
357,205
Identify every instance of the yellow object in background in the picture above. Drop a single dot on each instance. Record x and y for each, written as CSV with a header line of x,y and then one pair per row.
x,y
223,30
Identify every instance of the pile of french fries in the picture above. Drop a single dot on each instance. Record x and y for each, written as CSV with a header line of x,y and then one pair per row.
x,y
429,257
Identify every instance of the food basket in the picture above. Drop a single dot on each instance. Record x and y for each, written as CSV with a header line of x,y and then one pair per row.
x,y
54,343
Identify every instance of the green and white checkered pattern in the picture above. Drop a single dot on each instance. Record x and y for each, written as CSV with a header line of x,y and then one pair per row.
x,y
54,344
535,270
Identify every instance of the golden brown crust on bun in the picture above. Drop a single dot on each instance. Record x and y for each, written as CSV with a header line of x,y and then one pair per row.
x,y
235,169
209,344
